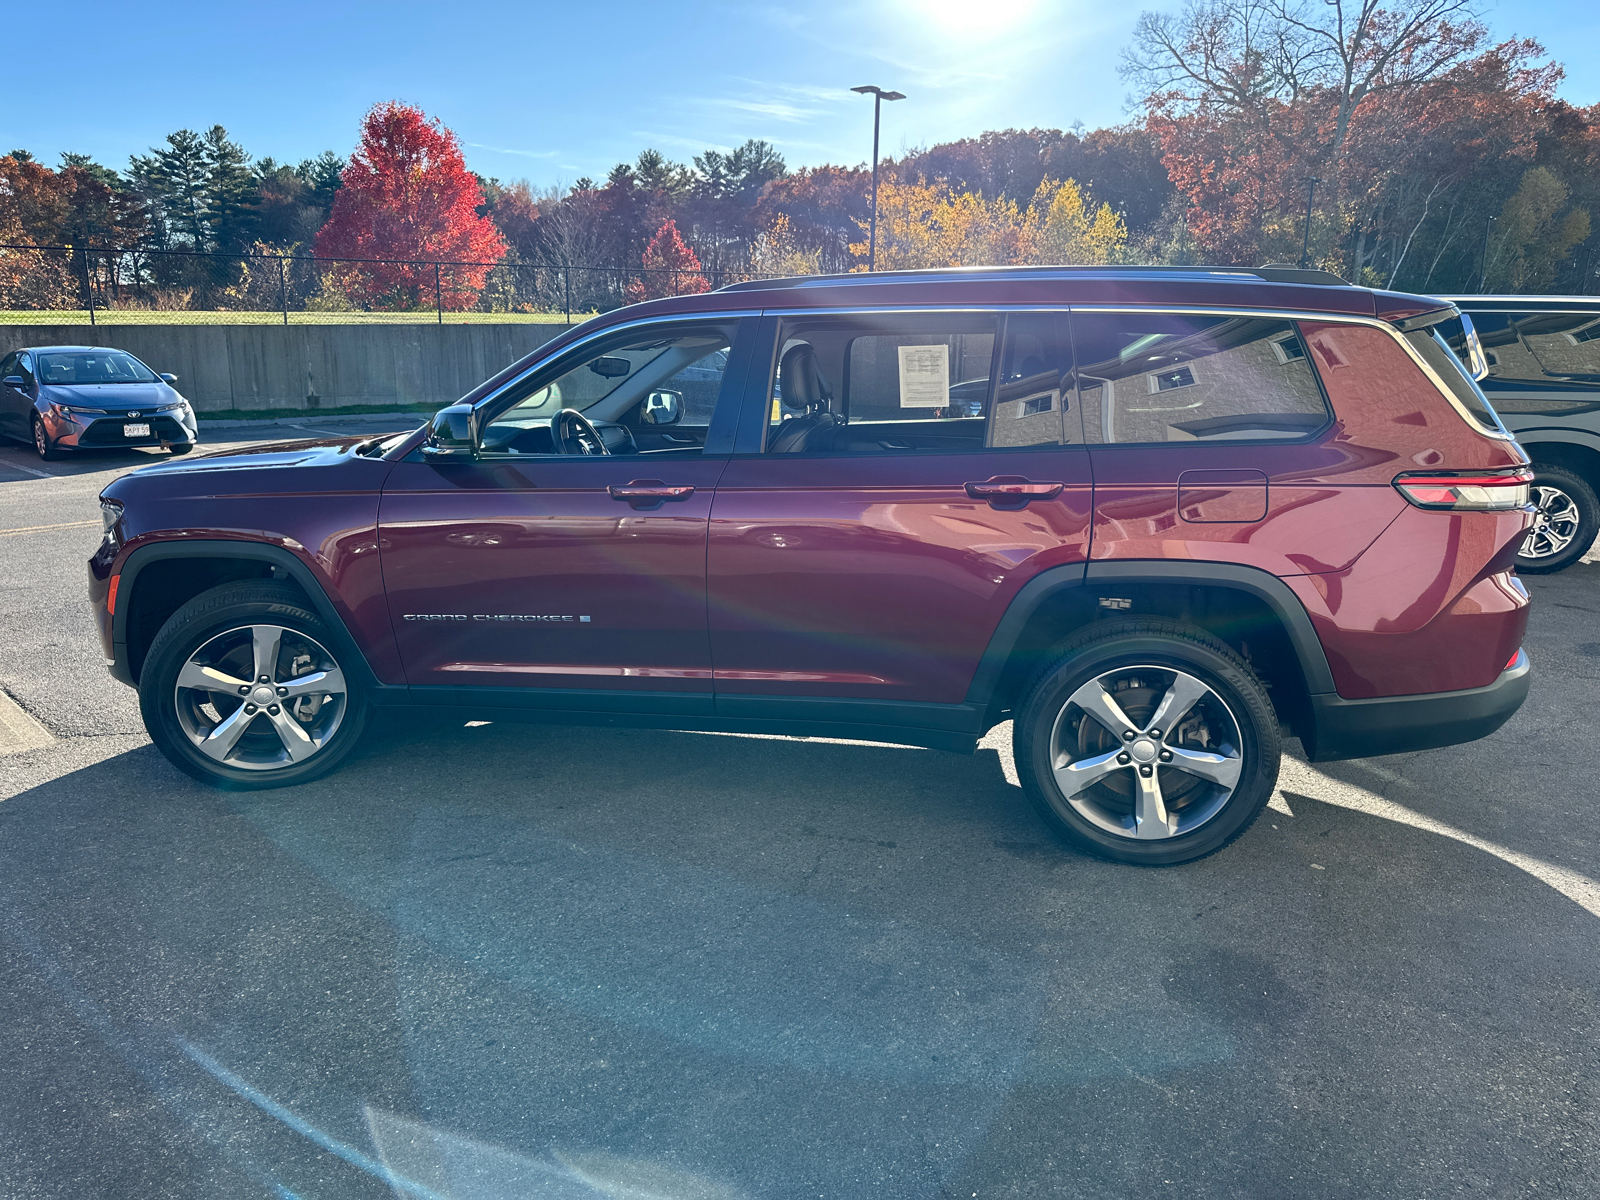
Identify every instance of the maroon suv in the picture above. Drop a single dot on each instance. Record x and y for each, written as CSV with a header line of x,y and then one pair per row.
x,y
1155,518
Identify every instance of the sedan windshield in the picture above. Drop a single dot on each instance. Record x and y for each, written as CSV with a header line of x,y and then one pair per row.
x,y
93,366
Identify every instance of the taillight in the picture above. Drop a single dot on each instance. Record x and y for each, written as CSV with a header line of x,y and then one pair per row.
x,y
1468,491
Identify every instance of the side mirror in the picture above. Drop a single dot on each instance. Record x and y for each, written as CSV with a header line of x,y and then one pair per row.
x,y
611,367
453,434
168,377
16,381
662,408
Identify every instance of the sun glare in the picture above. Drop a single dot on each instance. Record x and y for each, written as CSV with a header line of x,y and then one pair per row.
x,y
964,18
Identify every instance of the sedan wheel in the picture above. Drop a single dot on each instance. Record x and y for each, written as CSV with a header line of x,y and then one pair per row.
x,y
43,446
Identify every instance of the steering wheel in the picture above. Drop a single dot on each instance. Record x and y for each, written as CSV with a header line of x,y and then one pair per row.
x,y
574,433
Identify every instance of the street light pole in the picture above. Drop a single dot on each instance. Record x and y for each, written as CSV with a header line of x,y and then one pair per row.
x,y
1483,276
1305,243
878,97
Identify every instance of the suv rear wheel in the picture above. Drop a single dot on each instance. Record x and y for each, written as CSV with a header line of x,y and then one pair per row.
x,y
1147,742
1568,518
241,690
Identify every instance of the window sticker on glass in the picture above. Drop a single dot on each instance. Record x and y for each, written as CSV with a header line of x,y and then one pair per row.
x,y
924,376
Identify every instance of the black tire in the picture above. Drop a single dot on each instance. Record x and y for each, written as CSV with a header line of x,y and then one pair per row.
x,y
218,618
1564,495
1145,658
42,445
180,448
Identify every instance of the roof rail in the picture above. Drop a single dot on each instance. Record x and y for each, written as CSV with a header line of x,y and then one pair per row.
x,y
1271,274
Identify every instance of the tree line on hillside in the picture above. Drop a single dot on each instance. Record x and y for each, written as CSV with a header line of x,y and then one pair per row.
x,y
1394,145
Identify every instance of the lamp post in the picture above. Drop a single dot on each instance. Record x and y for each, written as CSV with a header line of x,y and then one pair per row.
x,y
878,97
1305,243
1483,276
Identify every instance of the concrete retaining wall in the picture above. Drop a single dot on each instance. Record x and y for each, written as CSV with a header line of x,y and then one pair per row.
x,y
295,367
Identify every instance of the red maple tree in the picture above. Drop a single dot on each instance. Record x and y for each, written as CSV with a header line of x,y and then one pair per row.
x,y
671,268
407,195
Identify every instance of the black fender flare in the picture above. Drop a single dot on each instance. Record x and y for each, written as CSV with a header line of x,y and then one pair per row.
x,y
276,556
1106,576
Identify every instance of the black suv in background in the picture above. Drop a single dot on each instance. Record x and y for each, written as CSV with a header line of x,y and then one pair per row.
x,y
1543,356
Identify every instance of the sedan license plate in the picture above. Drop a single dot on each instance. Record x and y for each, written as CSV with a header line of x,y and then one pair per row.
x,y
142,429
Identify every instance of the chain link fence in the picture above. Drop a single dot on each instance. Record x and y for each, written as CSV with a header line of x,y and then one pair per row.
x,y
67,284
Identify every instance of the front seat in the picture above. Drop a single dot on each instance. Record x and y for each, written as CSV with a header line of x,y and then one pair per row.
x,y
802,386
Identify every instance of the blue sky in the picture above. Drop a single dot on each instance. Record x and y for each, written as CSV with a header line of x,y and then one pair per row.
x,y
551,92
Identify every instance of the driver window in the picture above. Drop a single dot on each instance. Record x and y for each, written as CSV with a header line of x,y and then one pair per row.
x,y
645,391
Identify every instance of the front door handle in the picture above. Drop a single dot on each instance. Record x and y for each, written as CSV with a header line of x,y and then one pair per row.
x,y
649,493
1010,492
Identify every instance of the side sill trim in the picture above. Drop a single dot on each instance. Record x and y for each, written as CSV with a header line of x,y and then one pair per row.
x,y
573,701
899,714
931,739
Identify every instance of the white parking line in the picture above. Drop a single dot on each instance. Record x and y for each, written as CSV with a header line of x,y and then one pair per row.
x,y
19,731
11,466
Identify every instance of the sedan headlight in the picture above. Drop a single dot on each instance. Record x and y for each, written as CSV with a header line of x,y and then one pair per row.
x,y
73,409
181,404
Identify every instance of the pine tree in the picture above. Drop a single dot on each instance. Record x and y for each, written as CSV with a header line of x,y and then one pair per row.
x,y
174,181
231,209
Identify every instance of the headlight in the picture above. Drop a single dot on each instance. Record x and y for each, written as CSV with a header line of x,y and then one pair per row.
x,y
110,513
70,409
173,407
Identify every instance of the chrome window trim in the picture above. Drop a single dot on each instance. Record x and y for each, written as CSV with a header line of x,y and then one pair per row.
x,y
1286,314
643,322
1325,318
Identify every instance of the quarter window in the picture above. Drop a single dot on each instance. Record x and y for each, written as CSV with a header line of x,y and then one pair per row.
x,y
1167,377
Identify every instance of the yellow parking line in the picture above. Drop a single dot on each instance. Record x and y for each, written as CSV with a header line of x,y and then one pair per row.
x,y
42,528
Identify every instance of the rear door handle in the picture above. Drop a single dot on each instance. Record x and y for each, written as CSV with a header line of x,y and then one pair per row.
x,y
649,493
1012,491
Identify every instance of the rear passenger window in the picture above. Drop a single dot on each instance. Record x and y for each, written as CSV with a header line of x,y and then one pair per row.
x,y
1160,377
882,384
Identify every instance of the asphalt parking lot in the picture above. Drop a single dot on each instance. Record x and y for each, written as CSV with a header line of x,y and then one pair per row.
x,y
521,961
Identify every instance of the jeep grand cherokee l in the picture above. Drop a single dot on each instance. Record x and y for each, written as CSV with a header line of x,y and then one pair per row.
x,y
1152,517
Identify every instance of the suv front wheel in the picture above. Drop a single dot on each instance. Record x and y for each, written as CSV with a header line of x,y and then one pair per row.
x,y
1147,742
241,690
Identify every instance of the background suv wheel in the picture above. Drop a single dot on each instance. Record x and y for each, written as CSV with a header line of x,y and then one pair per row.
x,y
1569,517
1147,742
240,689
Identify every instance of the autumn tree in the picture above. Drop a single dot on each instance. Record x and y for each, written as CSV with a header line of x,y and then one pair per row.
x,y
777,254
672,268
407,198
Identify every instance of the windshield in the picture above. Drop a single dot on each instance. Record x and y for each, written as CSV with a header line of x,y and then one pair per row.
x,y
93,366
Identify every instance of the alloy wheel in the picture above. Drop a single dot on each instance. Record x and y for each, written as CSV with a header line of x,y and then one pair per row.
x,y
1146,752
260,697
1555,525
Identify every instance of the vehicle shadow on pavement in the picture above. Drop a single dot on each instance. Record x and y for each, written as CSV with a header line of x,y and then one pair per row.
x,y
774,967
